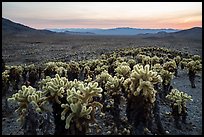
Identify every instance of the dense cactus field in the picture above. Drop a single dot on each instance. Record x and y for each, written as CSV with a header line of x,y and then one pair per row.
x,y
130,91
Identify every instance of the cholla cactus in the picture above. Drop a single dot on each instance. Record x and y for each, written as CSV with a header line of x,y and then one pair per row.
x,y
194,66
15,72
73,70
179,99
114,89
44,81
170,66
61,64
50,69
50,65
177,60
140,72
92,63
103,77
131,63
127,82
5,76
142,94
18,68
24,97
56,87
157,67
100,69
83,92
146,89
87,72
113,85
144,78
121,59
184,62
80,102
140,57
123,71
89,79
155,60
196,57
30,67
146,60
166,76
61,71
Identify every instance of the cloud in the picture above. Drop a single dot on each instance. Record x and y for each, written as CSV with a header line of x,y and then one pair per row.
x,y
105,15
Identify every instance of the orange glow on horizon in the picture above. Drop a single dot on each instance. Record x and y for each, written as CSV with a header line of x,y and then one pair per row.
x,y
175,15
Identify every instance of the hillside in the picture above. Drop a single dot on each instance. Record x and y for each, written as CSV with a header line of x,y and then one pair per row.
x,y
11,28
192,33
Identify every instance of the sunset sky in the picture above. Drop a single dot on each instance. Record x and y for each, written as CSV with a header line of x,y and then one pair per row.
x,y
40,15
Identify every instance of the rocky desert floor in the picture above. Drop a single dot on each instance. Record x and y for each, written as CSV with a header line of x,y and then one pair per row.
x,y
27,50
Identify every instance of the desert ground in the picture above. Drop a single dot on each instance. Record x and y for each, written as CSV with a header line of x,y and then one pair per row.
x,y
24,49
18,50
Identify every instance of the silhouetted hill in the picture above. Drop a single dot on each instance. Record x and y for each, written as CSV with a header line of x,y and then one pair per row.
x,y
12,28
192,33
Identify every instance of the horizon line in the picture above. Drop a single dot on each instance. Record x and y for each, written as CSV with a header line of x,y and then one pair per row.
x,y
110,28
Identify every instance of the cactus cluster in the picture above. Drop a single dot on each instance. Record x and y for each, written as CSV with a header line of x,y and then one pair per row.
x,y
146,60
74,88
196,57
60,68
103,77
142,81
179,99
5,76
177,60
73,66
100,69
25,96
155,60
61,71
184,62
80,105
123,70
18,68
157,67
50,65
131,62
55,87
194,66
29,67
113,85
170,66
166,76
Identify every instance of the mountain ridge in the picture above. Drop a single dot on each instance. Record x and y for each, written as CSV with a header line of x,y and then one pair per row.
x,y
114,31
11,28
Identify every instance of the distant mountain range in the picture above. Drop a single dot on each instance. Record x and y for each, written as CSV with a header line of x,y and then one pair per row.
x,y
114,31
11,28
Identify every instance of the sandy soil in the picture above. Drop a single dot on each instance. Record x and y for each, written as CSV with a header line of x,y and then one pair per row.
x,y
18,50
